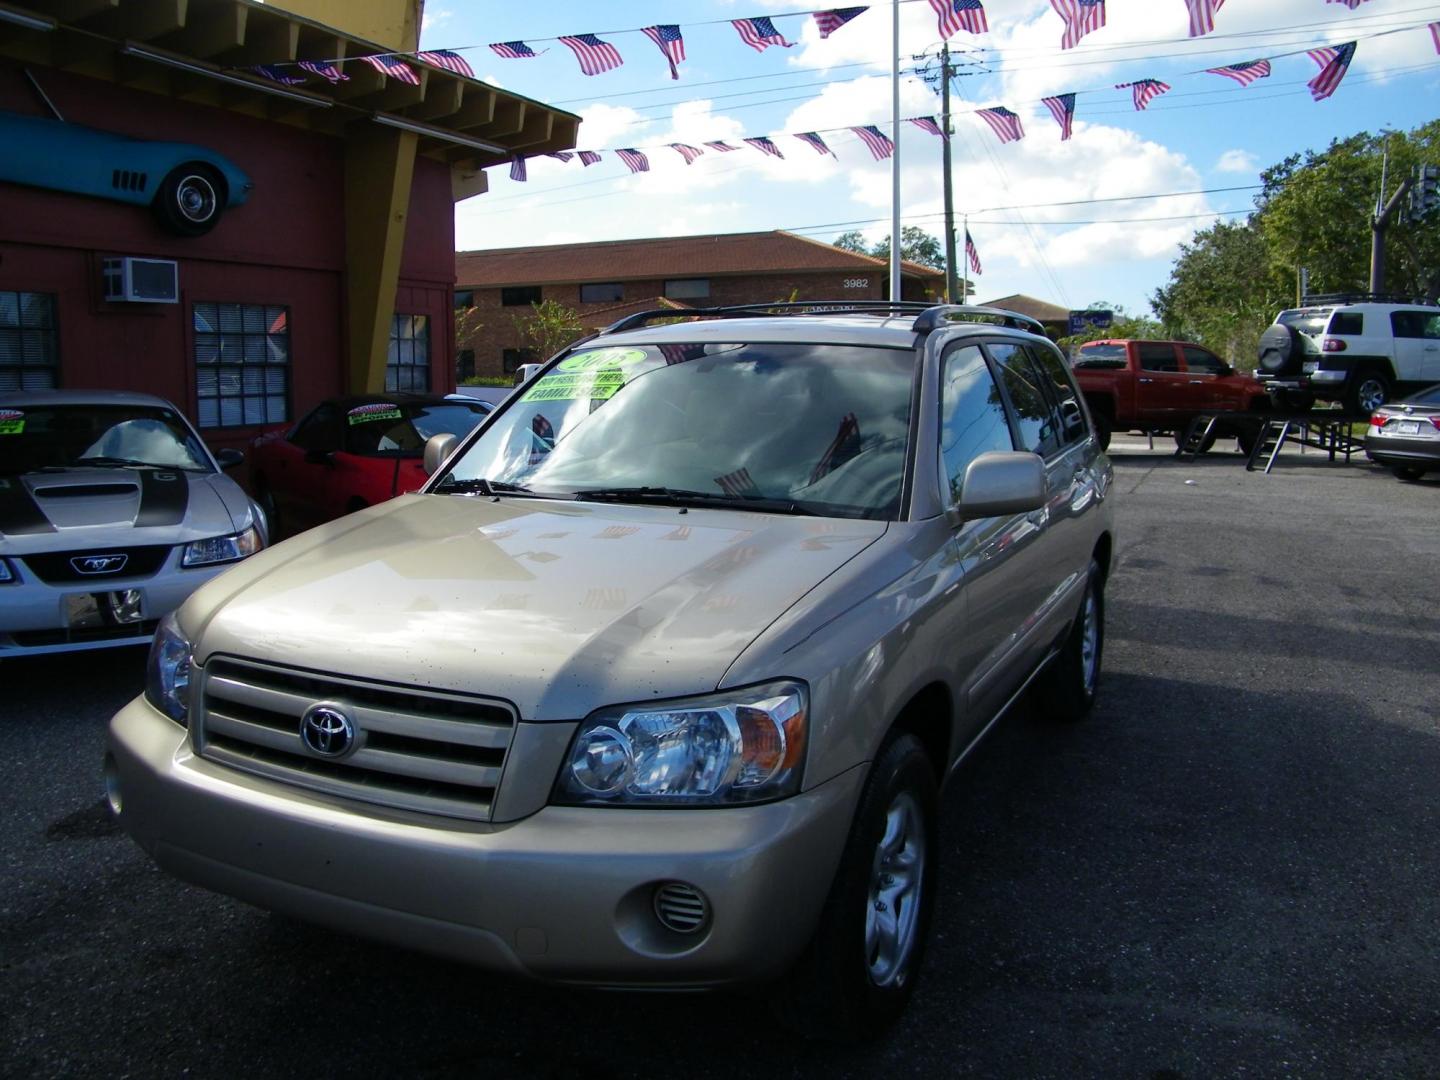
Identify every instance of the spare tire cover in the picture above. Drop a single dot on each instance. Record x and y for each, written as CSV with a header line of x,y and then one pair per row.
x,y
1281,350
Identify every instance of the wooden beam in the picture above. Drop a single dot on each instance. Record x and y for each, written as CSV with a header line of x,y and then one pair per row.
x,y
269,39
71,11
535,131
140,22
211,30
508,119
466,182
443,98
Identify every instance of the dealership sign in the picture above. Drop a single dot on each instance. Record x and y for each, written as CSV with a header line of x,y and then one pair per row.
x,y
1080,321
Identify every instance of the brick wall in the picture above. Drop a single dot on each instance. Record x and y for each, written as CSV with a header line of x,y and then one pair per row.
x,y
499,331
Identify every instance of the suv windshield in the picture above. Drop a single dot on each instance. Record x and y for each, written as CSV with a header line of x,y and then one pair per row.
x,y
105,436
820,429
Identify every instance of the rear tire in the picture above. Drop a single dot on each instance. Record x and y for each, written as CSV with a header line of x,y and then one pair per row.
x,y
1407,472
1205,446
266,499
1067,690
1368,390
1103,429
859,970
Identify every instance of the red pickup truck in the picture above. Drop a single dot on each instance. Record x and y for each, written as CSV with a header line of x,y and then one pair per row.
x,y
1160,386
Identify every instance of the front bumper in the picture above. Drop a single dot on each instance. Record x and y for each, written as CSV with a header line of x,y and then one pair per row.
x,y
33,613
565,894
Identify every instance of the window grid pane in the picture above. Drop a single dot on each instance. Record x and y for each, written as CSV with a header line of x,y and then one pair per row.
x,y
29,342
242,364
407,366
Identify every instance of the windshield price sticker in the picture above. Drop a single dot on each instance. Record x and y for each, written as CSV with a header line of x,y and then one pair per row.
x,y
12,422
366,414
577,386
594,358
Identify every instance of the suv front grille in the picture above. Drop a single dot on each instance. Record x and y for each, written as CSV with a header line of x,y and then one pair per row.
x,y
417,749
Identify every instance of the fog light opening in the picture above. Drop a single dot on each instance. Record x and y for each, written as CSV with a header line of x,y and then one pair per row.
x,y
681,908
112,785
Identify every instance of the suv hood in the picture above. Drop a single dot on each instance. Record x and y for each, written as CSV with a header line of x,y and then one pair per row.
x,y
76,509
558,607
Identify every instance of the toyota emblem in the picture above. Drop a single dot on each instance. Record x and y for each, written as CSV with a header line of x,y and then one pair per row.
x,y
327,731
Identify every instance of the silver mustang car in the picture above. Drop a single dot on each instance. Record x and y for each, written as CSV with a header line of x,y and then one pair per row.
x,y
112,512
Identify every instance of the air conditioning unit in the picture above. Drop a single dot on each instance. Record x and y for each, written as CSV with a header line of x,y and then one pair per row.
x,y
141,281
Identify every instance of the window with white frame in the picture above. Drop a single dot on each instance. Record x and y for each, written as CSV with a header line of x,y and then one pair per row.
x,y
242,364
407,366
29,341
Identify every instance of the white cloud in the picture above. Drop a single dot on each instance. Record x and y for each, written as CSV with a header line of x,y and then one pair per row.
x,y
1238,161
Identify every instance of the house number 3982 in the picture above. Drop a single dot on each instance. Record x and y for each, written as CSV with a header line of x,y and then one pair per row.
x,y
857,283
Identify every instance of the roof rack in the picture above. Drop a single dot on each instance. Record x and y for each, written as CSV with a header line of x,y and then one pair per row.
x,y
1363,298
782,307
938,315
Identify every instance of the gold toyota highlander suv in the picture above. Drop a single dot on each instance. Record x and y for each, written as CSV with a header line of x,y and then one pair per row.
x,y
656,681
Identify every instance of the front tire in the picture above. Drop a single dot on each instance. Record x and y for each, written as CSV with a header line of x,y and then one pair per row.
x,y
190,200
859,970
1067,691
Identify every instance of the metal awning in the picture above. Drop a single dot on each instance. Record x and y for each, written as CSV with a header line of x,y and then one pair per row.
x,y
203,50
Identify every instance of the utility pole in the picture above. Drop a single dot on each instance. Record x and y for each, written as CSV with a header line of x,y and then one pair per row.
x,y
1384,214
950,264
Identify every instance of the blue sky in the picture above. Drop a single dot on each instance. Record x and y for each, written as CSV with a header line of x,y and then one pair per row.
x,y
1205,135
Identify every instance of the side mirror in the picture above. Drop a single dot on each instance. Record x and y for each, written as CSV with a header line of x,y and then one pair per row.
x,y
229,458
319,457
437,449
1000,482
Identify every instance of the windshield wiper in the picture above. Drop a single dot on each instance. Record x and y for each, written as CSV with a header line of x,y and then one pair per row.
x,y
685,497
480,486
118,462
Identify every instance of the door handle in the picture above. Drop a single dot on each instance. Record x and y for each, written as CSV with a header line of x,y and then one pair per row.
x,y
1197,382
1145,380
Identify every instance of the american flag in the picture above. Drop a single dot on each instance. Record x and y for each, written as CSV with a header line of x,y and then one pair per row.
x,y
927,123
594,55
667,37
759,33
1144,91
588,157
879,143
972,255
275,74
449,60
686,151
325,69
1003,122
765,145
1202,15
1334,62
392,68
1435,33
1081,17
815,142
737,483
517,169
1062,107
960,15
722,147
681,354
634,160
1351,4
832,20
513,50
1245,73
561,155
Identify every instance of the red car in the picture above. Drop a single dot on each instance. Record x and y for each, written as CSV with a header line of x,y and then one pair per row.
x,y
349,453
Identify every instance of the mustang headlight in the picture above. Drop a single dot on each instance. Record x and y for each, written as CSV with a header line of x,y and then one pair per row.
x,y
167,672
222,549
7,576
738,746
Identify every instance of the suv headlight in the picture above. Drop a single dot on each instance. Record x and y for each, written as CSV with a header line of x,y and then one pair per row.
x,y
167,672
222,549
738,746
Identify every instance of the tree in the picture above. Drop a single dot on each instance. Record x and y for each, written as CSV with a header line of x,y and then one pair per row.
x,y
549,328
916,246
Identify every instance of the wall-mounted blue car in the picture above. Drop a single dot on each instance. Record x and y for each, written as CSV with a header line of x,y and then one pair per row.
x,y
187,186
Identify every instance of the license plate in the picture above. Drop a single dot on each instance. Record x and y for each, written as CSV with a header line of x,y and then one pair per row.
x,y
1309,366
82,610
86,610
1407,427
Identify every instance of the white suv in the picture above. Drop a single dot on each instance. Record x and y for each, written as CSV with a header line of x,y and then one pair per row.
x,y
1356,350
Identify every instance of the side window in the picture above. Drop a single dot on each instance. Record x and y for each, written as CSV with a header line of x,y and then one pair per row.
x,y
972,416
318,430
1430,327
1072,415
1158,356
1206,363
1415,324
1035,415
1348,323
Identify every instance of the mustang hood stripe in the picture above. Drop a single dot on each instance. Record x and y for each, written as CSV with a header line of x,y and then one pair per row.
x,y
19,513
164,497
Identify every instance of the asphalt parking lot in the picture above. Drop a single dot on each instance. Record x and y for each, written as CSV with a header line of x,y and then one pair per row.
x,y
1229,869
